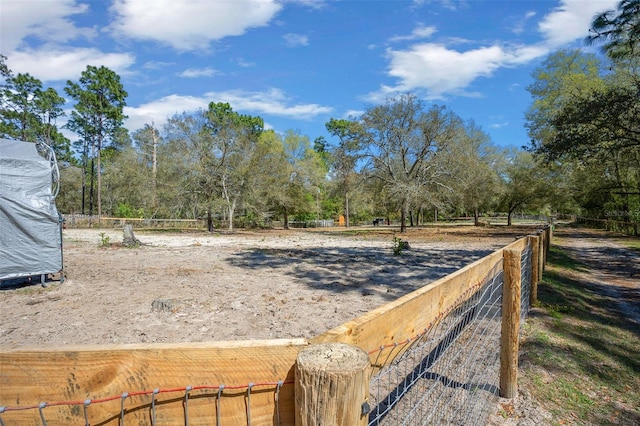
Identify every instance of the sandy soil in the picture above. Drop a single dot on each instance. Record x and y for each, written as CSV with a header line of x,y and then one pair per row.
x,y
189,287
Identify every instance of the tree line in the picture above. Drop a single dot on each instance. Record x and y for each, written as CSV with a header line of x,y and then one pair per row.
x,y
402,160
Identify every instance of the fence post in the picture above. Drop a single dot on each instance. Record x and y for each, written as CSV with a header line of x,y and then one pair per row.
x,y
540,255
543,250
332,385
547,243
535,269
510,324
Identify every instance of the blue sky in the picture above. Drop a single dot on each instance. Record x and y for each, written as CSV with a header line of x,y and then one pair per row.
x,y
298,63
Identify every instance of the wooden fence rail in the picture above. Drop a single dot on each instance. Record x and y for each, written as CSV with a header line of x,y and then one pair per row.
x,y
230,383
623,227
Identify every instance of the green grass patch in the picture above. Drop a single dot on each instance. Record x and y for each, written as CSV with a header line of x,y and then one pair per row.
x,y
632,243
580,356
557,257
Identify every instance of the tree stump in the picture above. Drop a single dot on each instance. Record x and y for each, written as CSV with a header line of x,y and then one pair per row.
x,y
130,239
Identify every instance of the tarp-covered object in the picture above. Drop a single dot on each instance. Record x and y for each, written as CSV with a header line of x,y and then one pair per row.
x,y
30,226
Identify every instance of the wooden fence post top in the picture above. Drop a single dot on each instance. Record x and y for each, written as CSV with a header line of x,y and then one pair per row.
x,y
332,385
332,356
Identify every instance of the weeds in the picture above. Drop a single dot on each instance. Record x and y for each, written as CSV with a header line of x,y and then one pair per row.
x,y
104,240
398,246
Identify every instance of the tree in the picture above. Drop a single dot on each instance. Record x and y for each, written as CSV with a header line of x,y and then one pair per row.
x,y
186,184
525,183
234,140
19,115
29,113
345,157
400,145
618,29
300,174
583,118
5,72
147,140
49,109
472,160
564,76
97,118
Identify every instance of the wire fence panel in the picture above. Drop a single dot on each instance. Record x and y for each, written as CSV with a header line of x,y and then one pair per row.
x,y
450,375
525,282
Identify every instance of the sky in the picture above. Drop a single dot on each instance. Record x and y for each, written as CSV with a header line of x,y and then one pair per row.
x,y
299,63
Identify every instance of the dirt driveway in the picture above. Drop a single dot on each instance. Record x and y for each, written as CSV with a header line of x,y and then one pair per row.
x,y
606,269
190,287
612,270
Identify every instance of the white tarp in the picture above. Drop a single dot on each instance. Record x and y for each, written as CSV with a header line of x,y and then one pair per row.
x,y
30,226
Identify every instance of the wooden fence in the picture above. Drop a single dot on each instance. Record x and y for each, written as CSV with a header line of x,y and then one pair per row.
x,y
622,227
234,383
86,221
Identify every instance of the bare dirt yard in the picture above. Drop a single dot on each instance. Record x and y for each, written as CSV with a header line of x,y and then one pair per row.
x,y
197,286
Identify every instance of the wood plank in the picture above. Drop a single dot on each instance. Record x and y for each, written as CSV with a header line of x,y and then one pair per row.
x,y
29,376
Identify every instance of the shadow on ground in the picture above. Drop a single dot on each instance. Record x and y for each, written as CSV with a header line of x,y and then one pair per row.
x,y
360,269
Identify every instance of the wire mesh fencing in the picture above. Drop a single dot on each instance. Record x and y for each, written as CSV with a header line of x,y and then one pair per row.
x,y
450,374
525,283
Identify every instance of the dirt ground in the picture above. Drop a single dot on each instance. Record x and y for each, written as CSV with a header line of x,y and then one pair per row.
x,y
191,287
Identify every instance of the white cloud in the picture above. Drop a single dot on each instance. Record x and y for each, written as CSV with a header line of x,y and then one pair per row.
x,y
571,20
295,40
273,102
45,20
160,110
198,72
439,70
313,4
243,63
447,4
419,32
66,64
519,23
499,125
190,24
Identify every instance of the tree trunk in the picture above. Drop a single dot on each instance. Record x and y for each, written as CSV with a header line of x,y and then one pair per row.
x,y
99,201
84,186
403,217
286,219
232,209
476,217
209,221
346,209
154,172
91,178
